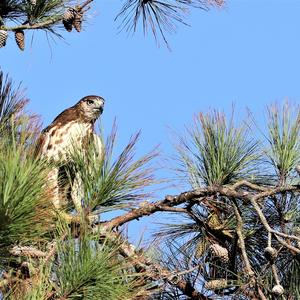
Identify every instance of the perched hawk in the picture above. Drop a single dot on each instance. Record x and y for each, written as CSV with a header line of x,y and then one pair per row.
x,y
74,127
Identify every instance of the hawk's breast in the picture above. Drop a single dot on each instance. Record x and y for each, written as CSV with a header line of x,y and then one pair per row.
x,y
60,140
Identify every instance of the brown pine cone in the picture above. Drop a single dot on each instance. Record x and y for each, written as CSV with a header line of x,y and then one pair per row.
x,y
20,39
68,18
216,284
219,252
77,21
3,38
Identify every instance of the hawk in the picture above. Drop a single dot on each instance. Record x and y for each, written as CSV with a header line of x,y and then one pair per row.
x,y
74,127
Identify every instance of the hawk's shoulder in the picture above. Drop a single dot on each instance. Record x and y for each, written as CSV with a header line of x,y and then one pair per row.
x,y
68,115
45,140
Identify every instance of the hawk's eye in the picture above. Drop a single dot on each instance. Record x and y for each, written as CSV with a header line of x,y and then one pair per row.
x,y
90,102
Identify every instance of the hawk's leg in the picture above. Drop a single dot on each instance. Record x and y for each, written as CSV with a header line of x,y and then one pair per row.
x,y
54,187
77,193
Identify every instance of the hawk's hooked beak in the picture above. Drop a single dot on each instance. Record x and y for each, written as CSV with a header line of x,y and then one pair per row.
x,y
100,105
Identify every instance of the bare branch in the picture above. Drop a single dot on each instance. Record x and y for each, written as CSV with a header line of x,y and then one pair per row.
x,y
249,185
191,196
270,230
239,231
171,201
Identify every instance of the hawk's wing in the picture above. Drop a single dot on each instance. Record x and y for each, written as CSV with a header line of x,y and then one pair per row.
x,y
99,147
43,143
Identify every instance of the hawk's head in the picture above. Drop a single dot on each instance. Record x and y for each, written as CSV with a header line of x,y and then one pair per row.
x,y
90,107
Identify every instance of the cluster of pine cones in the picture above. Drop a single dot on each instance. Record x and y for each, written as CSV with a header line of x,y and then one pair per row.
x,y
19,34
19,37
71,18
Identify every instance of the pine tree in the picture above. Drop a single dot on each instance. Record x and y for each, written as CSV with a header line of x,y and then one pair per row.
x,y
237,235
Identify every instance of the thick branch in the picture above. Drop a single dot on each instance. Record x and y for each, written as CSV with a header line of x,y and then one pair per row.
x,y
274,191
194,195
41,25
171,201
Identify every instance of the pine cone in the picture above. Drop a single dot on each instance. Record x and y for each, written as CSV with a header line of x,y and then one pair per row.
x,y
278,290
201,247
270,253
216,284
68,18
20,39
69,14
77,21
220,252
3,38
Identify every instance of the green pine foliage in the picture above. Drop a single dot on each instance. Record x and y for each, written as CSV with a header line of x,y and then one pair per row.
x,y
87,270
284,139
20,11
216,152
25,210
110,183
22,199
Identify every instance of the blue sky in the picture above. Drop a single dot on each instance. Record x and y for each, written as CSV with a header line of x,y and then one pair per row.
x,y
247,54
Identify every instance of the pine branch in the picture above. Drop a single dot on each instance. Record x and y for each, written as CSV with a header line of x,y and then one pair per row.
x,y
239,231
151,270
193,196
50,21
40,25
269,229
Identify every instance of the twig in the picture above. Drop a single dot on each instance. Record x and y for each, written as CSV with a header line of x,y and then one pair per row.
x,y
174,209
82,6
249,185
274,191
178,274
270,230
275,274
261,294
239,232
269,239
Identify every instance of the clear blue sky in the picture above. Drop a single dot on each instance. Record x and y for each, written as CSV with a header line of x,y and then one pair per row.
x,y
247,53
